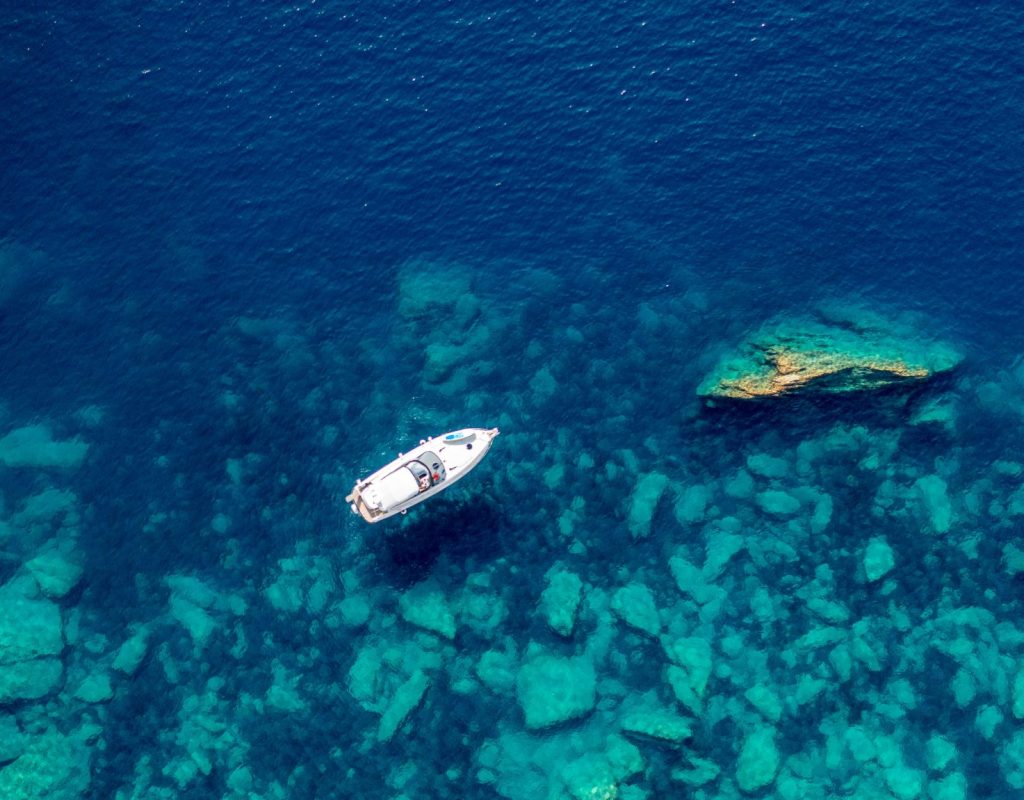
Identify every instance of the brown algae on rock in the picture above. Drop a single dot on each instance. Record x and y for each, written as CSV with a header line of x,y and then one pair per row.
x,y
833,351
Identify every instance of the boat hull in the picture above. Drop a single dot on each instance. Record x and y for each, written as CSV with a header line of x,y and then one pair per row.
x,y
423,472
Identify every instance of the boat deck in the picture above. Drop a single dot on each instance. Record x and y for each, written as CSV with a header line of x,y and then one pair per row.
x,y
356,499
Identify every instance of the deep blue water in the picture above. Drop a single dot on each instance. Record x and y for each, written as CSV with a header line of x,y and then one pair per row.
x,y
579,169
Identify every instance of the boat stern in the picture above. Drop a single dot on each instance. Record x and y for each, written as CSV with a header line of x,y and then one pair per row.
x,y
357,504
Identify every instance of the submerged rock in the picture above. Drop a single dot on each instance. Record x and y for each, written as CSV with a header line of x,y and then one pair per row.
x,y
692,504
938,411
12,741
590,777
130,654
390,678
199,608
952,787
646,495
29,680
721,547
758,761
934,498
425,606
1018,694
497,670
95,688
304,582
690,581
47,507
878,559
31,642
34,446
778,503
1011,760
767,466
701,771
765,700
830,353
405,700
29,627
353,611
428,291
283,694
597,775
480,607
634,604
939,751
903,782
657,725
689,673
56,570
560,600
553,690
52,765
587,763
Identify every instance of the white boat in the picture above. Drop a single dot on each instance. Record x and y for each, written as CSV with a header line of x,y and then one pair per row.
x,y
429,468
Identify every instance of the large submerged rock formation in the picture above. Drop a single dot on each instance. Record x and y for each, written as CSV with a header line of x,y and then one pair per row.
x,y
837,350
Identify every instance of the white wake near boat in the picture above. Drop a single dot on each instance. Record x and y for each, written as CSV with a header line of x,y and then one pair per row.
x,y
426,470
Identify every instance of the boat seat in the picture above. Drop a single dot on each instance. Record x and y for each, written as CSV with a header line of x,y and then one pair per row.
x,y
394,489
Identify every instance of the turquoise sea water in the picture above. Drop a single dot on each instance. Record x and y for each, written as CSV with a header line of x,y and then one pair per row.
x,y
250,252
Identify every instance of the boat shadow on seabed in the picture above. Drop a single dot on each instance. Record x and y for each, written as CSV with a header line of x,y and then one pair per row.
x,y
463,530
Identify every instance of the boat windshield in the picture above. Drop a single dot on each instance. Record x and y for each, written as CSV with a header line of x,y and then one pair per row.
x,y
421,474
427,470
435,465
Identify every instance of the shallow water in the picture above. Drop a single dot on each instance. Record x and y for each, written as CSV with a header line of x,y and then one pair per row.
x,y
248,254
